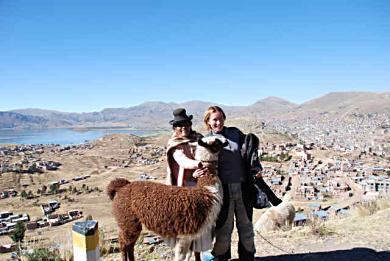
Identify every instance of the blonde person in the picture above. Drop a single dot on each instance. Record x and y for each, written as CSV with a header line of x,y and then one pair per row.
x,y
237,192
183,169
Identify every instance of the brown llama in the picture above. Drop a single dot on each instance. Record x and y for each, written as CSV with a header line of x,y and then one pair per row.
x,y
183,213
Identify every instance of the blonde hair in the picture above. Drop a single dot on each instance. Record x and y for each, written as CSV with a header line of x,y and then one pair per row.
x,y
209,111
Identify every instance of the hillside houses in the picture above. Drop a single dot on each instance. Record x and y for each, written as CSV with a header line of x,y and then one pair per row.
x,y
344,135
28,165
326,177
54,219
375,184
52,187
8,193
29,161
8,219
148,154
338,187
50,207
22,150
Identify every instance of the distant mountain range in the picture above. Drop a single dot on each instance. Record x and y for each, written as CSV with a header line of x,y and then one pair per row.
x,y
156,115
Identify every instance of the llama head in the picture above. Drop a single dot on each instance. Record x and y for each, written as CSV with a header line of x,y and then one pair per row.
x,y
207,151
287,197
209,147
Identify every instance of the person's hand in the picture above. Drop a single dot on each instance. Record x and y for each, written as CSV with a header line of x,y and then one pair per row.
x,y
259,175
205,164
199,172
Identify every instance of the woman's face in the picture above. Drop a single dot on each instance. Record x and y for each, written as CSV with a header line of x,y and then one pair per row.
x,y
216,121
182,129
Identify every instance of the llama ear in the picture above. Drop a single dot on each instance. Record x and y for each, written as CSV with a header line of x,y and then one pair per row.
x,y
221,142
225,143
202,143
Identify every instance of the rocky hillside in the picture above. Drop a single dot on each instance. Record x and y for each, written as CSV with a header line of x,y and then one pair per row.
x,y
13,120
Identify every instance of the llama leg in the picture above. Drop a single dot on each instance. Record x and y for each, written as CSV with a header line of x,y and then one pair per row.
x,y
291,221
188,255
128,238
182,250
122,246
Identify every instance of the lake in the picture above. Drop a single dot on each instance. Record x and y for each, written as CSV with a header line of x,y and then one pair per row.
x,y
62,136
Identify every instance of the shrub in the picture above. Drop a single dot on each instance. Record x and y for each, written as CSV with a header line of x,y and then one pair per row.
x,y
268,158
39,254
318,228
285,157
30,195
18,234
89,217
54,188
371,207
104,245
23,194
327,195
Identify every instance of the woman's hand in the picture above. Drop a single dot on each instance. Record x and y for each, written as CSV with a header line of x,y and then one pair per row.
x,y
259,175
199,172
206,164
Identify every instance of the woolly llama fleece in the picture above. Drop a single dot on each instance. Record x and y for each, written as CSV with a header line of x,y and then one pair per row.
x,y
170,211
277,216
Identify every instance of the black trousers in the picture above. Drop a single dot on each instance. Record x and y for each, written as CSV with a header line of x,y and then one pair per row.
x,y
247,197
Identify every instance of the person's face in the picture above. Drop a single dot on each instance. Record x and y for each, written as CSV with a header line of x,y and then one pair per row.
x,y
182,129
216,121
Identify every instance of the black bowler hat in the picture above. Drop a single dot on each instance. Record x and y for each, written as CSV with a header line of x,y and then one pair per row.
x,y
180,116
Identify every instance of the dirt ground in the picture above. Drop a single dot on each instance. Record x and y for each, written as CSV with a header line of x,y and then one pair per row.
x,y
351,238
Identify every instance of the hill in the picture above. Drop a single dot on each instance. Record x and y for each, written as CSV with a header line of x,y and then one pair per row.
x,y
272,105
13,120
156,115
347,102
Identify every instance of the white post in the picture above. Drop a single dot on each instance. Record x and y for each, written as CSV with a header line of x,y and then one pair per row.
x,y
85,236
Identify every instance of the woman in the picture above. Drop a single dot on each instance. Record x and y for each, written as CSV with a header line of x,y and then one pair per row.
x,y
237,192
183,169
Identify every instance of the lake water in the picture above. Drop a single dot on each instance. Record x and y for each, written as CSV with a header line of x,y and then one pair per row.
x,y
61,136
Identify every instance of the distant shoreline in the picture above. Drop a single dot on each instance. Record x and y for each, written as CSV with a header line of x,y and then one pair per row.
x,y
107,128
68,136
82,128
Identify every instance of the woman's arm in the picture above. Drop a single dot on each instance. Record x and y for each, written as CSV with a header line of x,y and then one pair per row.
x,y
180,154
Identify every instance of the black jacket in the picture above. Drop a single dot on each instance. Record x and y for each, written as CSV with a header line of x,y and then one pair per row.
x,y
250,155
253,166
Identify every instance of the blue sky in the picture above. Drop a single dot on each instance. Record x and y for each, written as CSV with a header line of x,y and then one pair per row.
x,y
83,56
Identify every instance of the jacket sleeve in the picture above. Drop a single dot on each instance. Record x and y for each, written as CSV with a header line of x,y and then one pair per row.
x,y
267,190
255,162
183,160
249,152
